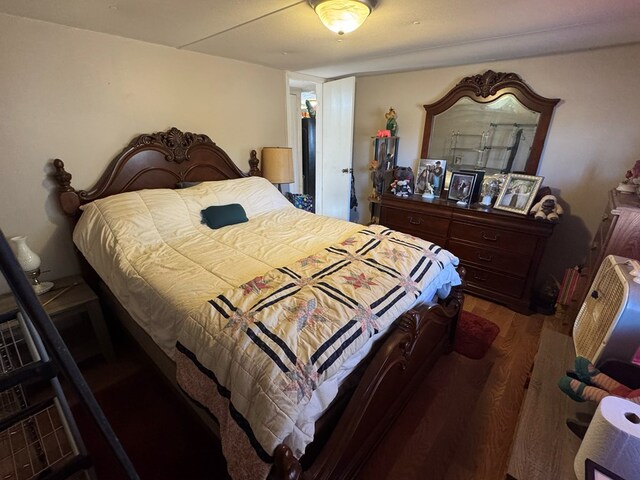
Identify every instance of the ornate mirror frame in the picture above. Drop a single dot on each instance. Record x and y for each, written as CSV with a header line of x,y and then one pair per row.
x,y
486,88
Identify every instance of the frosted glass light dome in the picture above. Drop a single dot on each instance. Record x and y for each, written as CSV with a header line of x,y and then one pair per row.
x,y
342,16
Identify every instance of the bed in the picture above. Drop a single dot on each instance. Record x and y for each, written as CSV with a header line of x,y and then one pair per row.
x,y
293,392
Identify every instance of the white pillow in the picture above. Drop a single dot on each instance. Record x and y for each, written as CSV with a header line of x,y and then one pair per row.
x,y
256,195
151,216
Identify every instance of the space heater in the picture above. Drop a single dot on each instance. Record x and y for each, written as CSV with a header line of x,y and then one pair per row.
x,y
608,324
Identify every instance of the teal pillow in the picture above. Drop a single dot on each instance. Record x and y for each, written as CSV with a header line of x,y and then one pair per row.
x,y
219,216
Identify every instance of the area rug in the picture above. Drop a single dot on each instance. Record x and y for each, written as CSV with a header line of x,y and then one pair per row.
x,y
474,335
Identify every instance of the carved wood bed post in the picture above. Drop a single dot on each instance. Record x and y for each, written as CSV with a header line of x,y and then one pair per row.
x,y
254,170
285,465
457,295
69,199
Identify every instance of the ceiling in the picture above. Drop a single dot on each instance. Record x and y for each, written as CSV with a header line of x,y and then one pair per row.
x,y
399,35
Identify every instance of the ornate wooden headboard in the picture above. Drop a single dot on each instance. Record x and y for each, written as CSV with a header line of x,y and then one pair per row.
x,y
157,160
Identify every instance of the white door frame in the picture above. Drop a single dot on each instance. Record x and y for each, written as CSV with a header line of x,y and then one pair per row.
x,y
307,82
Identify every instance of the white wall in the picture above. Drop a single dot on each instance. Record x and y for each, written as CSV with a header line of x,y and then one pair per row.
x,y
82,96
593,140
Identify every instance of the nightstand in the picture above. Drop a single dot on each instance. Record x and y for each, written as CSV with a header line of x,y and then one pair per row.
x,y
71,296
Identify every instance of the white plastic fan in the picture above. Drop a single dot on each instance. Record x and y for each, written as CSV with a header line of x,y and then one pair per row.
x,y
608,324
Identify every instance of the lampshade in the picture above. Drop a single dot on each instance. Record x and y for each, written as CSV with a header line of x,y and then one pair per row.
x,y
29,261
277,164
342,16
27,258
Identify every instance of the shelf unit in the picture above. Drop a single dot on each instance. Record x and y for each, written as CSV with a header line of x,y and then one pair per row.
x,y
38,440
482,145
385,156
41,439
467,143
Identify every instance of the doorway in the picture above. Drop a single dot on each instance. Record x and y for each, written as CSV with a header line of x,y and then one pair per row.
x,y
303,132
334,112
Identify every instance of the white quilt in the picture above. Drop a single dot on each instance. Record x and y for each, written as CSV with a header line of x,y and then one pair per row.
x,y
164,265
161,262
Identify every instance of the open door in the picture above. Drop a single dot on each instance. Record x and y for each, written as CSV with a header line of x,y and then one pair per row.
x,y
334,147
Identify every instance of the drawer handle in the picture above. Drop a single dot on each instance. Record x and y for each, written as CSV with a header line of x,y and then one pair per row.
x,y
605,217
482,278
493,238
595,246
486,258
414,222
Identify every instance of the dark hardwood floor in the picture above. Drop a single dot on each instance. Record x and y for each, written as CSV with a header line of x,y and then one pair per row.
x,y
459,425
461,422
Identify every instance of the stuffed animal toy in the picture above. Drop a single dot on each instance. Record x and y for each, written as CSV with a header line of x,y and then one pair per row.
x,y
401,188
402,184
547,208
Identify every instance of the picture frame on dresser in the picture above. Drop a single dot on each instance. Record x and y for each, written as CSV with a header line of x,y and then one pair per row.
x,y
518,193
477,184
431,176
461,187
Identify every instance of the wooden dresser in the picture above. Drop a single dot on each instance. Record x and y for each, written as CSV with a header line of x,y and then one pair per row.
x,y
501,251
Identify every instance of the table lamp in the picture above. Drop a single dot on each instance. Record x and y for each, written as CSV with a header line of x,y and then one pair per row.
x,y
277,165
29,261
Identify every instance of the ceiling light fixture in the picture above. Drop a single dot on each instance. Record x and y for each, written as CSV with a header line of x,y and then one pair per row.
x,y
343,16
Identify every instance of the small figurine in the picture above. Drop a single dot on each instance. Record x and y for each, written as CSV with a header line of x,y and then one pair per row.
x,y
428,191
631,183
547,208
633,173
392,123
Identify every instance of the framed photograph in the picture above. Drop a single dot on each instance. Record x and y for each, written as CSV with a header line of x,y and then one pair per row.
x,y
461,187
518,192
477,184
593,471
430,177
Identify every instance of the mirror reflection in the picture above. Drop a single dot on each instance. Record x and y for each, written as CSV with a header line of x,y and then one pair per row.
x,y
492,121
496,137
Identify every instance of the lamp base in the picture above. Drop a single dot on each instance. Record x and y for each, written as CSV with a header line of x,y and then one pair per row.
x,y
42,287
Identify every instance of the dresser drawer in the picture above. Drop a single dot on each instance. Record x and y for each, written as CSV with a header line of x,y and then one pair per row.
x,y
493,281
500,250
493,237
410,221
502,260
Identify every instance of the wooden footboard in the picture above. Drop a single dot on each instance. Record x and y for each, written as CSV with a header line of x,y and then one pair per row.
x,y
419,337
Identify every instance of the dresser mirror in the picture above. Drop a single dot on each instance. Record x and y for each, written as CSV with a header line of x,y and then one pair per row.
x,y
493,122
